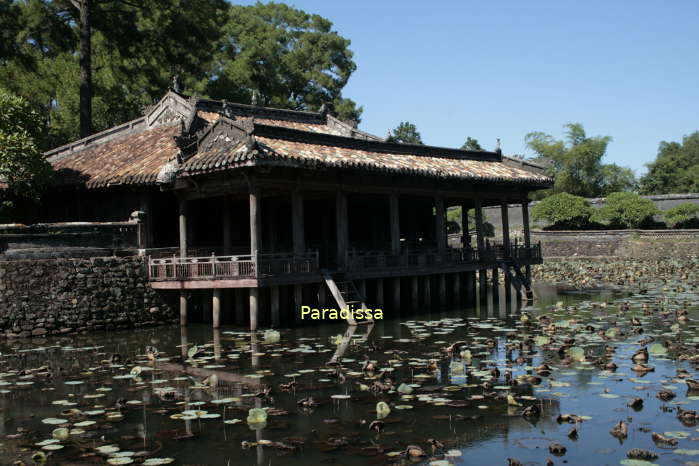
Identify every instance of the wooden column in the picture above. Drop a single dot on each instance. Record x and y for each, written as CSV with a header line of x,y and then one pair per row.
x,y
480,241
227,227
427,290
321,294
495,283
440,224
456,283
183,227
483,286
297,221
379,291
342,226
527,235
183,307
471,288
505,225
442,289
274,305
253,308
415,291
298,300
148,220
394,218
465,234
216,308
362,290
396,295
255,223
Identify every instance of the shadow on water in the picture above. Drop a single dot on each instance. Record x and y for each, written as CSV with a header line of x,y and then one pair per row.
x,y
192,401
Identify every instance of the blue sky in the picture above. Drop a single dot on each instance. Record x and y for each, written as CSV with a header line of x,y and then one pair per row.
x,y
490,69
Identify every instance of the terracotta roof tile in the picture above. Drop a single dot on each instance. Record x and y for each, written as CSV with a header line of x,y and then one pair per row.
x,y
129,159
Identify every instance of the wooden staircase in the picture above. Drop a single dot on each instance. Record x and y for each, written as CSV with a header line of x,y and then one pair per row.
x,y
519,280
347,296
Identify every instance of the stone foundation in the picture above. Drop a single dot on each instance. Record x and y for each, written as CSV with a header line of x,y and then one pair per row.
x,y
49,297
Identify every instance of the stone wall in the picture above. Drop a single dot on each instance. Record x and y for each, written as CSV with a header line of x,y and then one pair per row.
x,y
624,244
39,297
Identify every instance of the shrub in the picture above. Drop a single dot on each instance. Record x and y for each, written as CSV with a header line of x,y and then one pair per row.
x,y
682,216
626,210
563,211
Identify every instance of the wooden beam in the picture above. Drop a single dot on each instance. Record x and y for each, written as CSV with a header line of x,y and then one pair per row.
x,y
440,224
297,222
394,219
342,227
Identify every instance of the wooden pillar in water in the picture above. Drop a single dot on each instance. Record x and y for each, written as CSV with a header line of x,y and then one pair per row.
x,y
415,292
471,288
504,209
362,290
495,283
321,294
442,289
379,292
480,242
396,295
274,305
527,235
341,225
216,308
394,219
183,254
255,240
427,293
298,240
456,284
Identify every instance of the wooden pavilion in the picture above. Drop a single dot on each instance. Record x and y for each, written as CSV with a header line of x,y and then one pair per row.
x,y
268,209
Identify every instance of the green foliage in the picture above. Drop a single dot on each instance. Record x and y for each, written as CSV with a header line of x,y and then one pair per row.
x,y
294,59
563,211
675,169
218,50
471,144
576,163
626,210
22,166
682,215
406,133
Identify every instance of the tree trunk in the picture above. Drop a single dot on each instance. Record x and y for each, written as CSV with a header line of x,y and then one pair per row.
x,y
85,68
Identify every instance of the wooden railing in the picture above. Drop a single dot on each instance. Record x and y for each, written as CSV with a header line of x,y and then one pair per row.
x,y
230,267
361,260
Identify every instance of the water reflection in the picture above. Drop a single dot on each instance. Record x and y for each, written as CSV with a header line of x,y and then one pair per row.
x,y
457,398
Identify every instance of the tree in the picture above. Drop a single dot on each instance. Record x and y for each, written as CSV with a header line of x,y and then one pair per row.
x,y
23,167
616,179
293,59
675,169
406,133
626,210
576,163
563,211
471,144
682,216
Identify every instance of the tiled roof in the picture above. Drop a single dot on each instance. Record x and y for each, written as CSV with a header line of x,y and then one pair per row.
x,y
315,154
135,152
129,159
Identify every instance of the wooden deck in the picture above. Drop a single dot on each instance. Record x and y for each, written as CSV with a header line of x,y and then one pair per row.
x,y
246,271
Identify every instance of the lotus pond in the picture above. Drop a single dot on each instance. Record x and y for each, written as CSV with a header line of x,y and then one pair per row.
x,y
582,378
